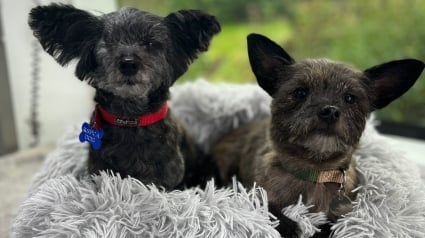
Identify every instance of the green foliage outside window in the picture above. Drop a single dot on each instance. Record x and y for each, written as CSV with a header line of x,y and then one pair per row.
x,y
364,33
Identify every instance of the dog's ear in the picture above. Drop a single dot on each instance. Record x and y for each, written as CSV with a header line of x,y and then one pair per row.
x,y
390,80
267,59
191,32
67,33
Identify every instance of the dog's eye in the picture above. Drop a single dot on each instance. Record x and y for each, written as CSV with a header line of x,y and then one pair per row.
x,y
152,45
350,99
300,93
147,44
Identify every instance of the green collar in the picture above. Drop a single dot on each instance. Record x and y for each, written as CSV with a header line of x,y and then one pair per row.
x,y
319,176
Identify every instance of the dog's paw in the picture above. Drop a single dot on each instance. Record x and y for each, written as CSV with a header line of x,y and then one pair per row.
x,y
288,228
325,231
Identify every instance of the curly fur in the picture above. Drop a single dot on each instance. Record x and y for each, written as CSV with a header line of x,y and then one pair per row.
x,y
132,58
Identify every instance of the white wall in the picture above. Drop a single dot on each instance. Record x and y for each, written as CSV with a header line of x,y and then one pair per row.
x,y
64,100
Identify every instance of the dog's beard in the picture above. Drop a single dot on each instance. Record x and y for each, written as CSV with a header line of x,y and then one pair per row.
x,y
319,138
323,144
138,90
137,86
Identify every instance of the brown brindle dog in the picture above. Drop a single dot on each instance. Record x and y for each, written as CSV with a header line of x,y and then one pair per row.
x,y
318,114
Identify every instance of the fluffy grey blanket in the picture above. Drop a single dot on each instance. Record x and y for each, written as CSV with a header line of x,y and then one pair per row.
x,y
64,202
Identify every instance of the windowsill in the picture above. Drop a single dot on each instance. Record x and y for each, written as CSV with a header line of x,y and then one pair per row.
x,y
414,149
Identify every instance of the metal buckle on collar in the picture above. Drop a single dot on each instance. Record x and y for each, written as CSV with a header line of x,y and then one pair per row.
x,y
130,122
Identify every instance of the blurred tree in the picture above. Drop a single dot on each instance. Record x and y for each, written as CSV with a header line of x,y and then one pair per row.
x,y
227,11
362,32
365,33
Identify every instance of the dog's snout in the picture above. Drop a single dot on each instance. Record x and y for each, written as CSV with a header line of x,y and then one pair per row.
x,y
329,114
128,66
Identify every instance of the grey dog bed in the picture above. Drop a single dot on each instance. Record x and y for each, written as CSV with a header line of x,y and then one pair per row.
x,y
64,202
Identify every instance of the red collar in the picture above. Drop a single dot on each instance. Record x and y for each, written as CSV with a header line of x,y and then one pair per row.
x,y
101,115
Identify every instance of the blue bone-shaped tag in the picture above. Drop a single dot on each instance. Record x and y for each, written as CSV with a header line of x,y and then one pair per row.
x,y
91,135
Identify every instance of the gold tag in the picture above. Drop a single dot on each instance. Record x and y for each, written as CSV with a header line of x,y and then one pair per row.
x,y
340,205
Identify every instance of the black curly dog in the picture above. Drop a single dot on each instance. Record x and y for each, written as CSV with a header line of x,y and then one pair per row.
x,y
132,58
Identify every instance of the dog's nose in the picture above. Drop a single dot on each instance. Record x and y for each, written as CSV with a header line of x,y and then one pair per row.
x,y
329,114
128,66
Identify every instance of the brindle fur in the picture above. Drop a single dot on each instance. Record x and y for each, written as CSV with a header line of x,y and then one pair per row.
x,y
132,58
296,136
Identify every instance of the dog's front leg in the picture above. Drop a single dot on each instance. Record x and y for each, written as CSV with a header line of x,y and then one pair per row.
x,y
287,227
325,231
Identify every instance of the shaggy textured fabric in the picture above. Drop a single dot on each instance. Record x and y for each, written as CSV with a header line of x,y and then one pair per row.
x,y
64,201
